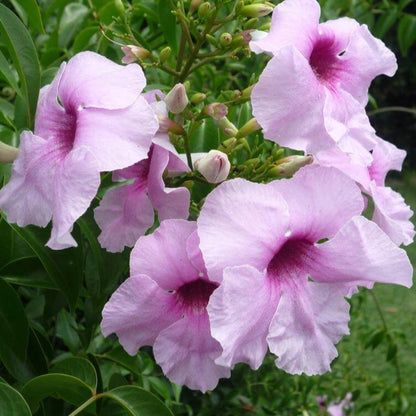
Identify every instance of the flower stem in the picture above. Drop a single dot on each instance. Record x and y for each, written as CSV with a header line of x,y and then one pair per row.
x,y
85,405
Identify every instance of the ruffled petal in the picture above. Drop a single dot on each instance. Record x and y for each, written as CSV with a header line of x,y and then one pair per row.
x,y
372,257
342,29
392,214
162,255
194,253
295,23
187,352
288,103
309,320
28,197
93,81
314,212
76,183
137,312
117,138
241,223
240,312
124,214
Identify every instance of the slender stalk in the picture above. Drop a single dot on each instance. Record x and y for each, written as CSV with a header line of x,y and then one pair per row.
x,y
388,109
85,405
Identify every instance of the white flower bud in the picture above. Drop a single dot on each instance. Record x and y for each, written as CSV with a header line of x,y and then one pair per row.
x,y
214,166
176,100
132,53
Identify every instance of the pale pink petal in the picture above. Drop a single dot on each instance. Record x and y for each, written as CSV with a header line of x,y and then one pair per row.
x,y
118,138
137,311
240,312
366,57
371,257
294,22
187,352
241,223
28,196
309,320
288,103
342,29
76,183
162,255
195,254
392,214
124,214
93,81
314,212
169,202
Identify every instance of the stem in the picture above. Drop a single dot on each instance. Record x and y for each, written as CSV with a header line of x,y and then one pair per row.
x,y
188,151
85,405
384,322
388,109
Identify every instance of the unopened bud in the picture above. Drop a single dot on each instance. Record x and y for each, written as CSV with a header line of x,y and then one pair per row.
x,y
194,5
250,127
226,126
165,54
203,10
246,93
265,27
252,23
8,153
166,125
212,40
256,10
120,8
132,53
176,100
225,39
289,165
214,166
198,98
215,110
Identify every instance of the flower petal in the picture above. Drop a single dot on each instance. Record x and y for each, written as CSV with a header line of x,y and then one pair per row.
x,y
124,214
137,311
240,312
241,223
187,352
309,320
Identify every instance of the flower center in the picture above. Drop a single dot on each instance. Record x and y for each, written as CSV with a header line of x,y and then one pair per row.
x,y
194,296
290,261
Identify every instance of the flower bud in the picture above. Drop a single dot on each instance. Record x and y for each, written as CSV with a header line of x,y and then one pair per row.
x,y
226,126
289,165
256,10
132,53
225,39
214,166
198,98
250,127
166,125
120,8
252,23
8,153
215,110
165,54
194,5
176,100
203,10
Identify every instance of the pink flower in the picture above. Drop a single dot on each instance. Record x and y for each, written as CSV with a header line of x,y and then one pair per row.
x,y
214,166
282,287
163,305
312,93
391,212
87,122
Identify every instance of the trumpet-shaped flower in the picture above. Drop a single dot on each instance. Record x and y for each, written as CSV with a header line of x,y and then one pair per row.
x,y
286,254
312,93
90,119
163,304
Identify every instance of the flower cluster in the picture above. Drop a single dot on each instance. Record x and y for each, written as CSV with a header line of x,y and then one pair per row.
x,y
266,266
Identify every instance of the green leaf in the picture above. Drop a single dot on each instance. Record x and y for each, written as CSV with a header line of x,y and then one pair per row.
x,y
23,52
31,9
391,351
84,38
78,367
69,388
67,331
406,32
169,26
386,21
71,20
14,328
119,356
12,403
138,402
8,74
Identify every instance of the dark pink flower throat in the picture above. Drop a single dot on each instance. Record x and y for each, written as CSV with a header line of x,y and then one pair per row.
x,y
194,296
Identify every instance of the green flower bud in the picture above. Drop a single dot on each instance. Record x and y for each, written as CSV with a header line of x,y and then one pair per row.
x,y
194,5
251,24
288,166
204,10
250,127
256,10
225,39
120,8
165,54
8,153
198,98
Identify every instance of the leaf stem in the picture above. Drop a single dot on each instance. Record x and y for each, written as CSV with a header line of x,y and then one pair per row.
x,y
85,405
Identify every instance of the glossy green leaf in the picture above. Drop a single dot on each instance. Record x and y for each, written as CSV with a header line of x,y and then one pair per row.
x,y
72,18
69,388
85,38
32,12
12,403
138,402
22,50
406,32
78,367
67,331
7,74
386,21
169,27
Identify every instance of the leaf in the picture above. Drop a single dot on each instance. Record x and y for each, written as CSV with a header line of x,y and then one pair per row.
x,y
391,351
169,26
23,52
71,20
119,356
8,74
138,402
67,331
78,367
84,38
69,388
406,32
31,9
12,403
386,21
